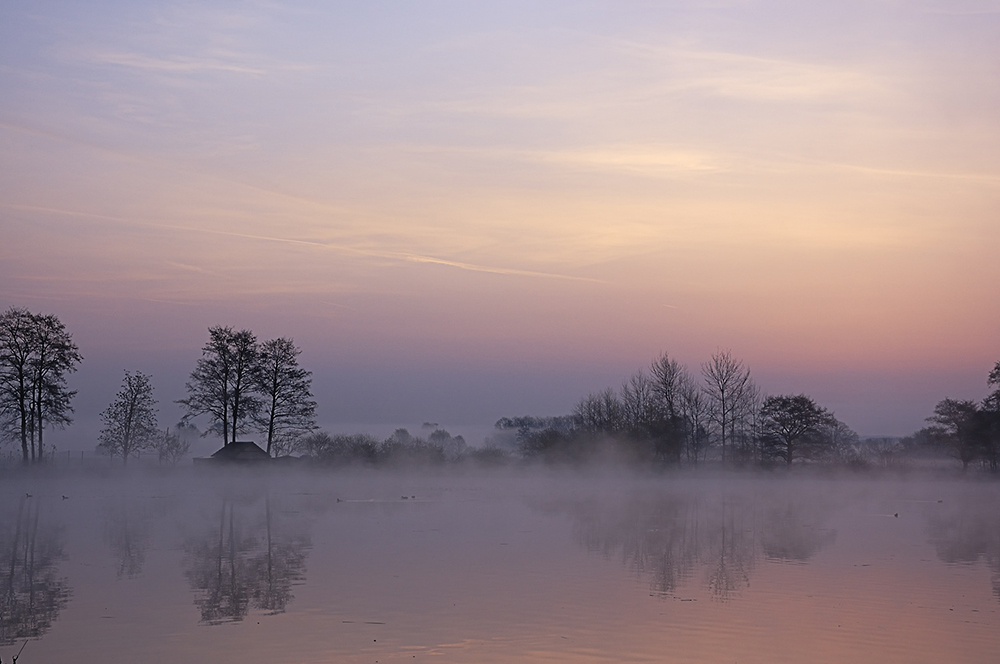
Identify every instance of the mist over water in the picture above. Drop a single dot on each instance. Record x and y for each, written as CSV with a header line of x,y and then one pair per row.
x,y
281,564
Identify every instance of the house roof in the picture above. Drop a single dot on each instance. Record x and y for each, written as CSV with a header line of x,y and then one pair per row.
x,y
241,450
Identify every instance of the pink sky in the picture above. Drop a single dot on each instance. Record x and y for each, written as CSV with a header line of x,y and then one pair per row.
x,y
463,213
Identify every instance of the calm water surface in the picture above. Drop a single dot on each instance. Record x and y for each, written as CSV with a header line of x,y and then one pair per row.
x,y
283,567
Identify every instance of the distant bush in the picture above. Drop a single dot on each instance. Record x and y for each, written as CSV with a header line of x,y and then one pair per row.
x,y
341,449
399,449
489,456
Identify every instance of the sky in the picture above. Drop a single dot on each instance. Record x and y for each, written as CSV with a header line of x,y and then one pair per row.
x,y
462,211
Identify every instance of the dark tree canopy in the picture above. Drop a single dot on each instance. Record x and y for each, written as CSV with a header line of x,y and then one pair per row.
x,y
791,422
222,383
130,421
36,354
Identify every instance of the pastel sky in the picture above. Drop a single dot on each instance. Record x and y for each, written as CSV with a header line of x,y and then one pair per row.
x,y
464,210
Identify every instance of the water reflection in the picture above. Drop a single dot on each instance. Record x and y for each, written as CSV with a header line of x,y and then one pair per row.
x,y
33,592
249,559
128,529
673,538
967,530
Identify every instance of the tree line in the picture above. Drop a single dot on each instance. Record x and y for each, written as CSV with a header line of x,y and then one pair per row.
x,y
663,415
667,415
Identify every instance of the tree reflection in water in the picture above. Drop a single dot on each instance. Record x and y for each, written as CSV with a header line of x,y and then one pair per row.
x,y
965,531
247,561
33,591
673,537
127,531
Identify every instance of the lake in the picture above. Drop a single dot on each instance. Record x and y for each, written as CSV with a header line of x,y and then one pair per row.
x,y
206,565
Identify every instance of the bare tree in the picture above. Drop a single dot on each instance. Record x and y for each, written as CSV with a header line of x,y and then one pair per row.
x,y
36,354
668,381
727,382
638,400
222,382
600,413
55,356
747,424
171,446
695,411
16,344
288,409
130,420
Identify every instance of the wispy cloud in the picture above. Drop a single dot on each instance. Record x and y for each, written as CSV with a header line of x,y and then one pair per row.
x,y
985,178
356,250
639,159
173,64
747,76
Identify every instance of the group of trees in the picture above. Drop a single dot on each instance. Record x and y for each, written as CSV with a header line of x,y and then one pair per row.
x,y
239,383
36,354
666,415
663,415
244,385
969,431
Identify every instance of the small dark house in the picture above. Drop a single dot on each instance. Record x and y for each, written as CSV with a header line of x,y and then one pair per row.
x,y
241,451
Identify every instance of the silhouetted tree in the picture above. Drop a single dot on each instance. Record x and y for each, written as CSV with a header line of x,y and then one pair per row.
x,y
55,355
452,447
341,449
695,411
727,386
16,387
171,446
668,377
992,402
287,408
790,422
130,420
36,354
600,413
954,423
989,422
222,383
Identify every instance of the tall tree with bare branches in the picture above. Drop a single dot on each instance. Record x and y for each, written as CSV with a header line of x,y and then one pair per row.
x,y
287,407
222,383
727,385
36,354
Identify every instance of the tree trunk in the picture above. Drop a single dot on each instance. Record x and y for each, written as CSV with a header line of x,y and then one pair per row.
x,y
41,454
24,437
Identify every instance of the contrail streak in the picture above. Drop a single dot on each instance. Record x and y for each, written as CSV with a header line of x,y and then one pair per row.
x,y
392,255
